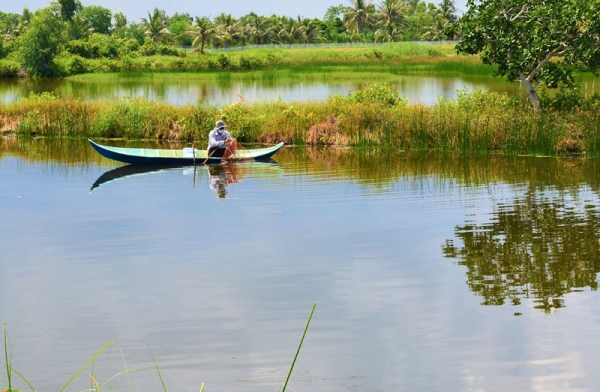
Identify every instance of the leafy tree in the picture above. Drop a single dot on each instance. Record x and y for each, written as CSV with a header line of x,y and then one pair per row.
x,y
120,24
533,41
179,29
68,8
99,18
41,42
79,28
26,16
8,23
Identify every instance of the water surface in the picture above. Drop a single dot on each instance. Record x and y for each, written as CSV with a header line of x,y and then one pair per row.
x,y
225,90
431,272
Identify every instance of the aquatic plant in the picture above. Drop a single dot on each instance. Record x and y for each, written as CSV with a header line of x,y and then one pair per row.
x,y
475,122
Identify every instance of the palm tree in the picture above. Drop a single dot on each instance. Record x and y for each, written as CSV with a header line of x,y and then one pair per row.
x,y
359,15
227,29
308,31
156,25
448,10
289,32
435,31
392,20
204,30
259,28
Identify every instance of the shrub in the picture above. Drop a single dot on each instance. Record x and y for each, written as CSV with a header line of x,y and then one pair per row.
x,y
223,61
9,69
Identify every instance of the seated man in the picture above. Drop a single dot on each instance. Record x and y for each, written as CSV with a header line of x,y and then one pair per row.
x,y
220,142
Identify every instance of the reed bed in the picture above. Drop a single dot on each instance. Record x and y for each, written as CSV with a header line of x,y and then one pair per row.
x,y
476,122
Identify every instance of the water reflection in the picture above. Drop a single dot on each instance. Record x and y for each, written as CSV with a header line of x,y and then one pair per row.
x,y
220,176
223,88
358,230
542,245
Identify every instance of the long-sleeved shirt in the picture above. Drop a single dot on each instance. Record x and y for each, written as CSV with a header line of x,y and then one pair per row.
x,y
217,140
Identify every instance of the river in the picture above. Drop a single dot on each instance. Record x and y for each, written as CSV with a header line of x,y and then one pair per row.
x,y
430,272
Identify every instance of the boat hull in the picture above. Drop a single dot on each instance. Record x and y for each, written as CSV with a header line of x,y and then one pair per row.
x,y
144,156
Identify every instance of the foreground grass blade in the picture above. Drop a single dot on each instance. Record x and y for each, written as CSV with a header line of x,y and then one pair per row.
x,y
8,368
87,363
299,347
22,378
156,366
126,370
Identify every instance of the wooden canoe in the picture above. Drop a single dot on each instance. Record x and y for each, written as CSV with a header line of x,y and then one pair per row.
x,y
184,157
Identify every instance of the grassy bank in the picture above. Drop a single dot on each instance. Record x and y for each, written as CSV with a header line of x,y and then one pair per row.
x,y
476,122
396,58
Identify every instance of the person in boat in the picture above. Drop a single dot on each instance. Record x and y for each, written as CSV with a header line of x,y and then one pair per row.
x,y
220,142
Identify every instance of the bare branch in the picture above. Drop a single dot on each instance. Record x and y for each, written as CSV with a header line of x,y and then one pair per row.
x,y
517,16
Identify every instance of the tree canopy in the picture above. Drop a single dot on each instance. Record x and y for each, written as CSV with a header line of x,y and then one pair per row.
x,y
533,41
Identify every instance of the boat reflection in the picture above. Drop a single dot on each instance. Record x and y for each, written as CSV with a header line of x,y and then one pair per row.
x,y
220,176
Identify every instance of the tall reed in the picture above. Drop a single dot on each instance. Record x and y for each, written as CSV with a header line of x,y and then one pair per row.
x,y
474,122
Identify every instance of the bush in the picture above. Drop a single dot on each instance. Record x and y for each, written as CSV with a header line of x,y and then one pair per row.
x,y
148,48
223,61
247,63
381,93
9,69
80,48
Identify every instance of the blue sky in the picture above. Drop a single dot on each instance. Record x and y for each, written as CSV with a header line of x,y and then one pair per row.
x,y
134,10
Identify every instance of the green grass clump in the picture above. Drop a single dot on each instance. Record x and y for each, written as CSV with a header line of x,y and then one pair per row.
x,y
395,58
475,122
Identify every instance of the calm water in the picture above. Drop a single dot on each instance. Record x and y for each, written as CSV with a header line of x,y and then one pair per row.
x,y
224,91
431,273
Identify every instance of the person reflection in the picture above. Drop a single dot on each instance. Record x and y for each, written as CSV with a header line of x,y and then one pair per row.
x,y
220,176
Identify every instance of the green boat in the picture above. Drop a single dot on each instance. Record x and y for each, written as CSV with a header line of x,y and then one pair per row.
x,y
184,157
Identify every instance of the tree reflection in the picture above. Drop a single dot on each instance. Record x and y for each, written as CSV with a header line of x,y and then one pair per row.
x,y
540,247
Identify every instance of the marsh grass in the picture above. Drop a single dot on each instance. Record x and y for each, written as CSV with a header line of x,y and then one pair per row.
x,y
396,58
95,384
474,122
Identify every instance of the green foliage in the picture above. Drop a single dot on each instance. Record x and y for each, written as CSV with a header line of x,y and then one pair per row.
x,y
40,43
223,61
565,100
9,69
98,17
522,38
384,94
476,122
68,8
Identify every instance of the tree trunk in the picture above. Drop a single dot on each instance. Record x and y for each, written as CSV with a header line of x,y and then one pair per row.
x,y
202,46
531,93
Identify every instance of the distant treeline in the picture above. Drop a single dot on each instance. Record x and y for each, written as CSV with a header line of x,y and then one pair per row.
x,y
30,42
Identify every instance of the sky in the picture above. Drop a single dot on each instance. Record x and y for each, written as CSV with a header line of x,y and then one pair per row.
x,y
134,10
